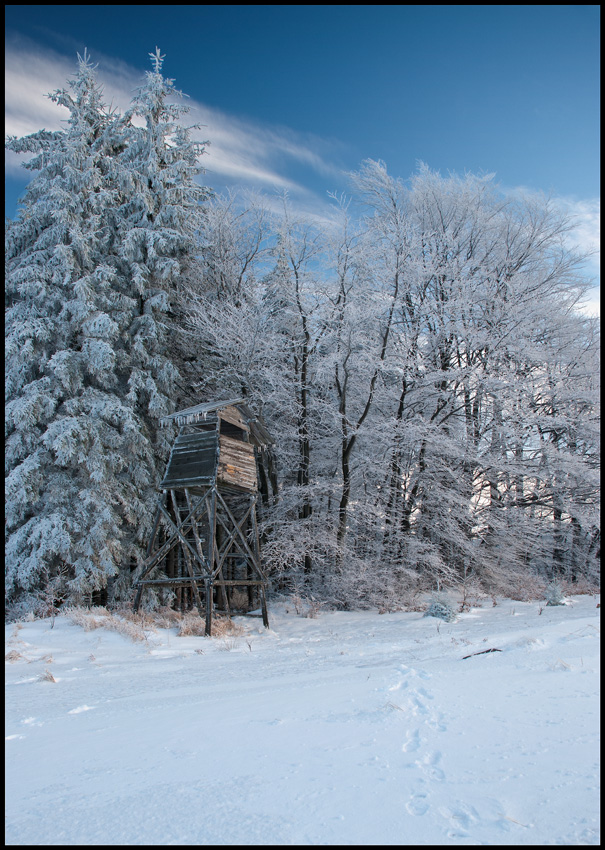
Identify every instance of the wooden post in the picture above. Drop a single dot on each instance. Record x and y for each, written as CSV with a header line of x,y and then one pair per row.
x,y
256,545
264,606
208,628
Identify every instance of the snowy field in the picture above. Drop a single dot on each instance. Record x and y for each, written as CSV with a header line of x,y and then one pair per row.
x,y
350,729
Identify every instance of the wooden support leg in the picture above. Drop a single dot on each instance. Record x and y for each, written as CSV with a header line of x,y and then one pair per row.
x,y
208,629
264,607
137,599
224,597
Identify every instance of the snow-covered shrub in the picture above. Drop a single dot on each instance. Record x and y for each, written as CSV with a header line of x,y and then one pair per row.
x,y
441,606
554,594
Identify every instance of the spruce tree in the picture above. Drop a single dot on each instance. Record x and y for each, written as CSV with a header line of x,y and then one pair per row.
x,y
91,259
160,222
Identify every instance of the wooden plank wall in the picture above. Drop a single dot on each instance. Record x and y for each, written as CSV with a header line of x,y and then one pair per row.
x,y
237,464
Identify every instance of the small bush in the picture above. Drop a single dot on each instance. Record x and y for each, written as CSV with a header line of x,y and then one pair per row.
x,y
554,594
442,607
306,606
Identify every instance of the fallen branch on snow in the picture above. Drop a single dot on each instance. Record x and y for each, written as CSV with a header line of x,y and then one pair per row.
x,y
483,651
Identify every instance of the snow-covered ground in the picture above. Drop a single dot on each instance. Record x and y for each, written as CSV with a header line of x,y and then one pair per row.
x,y
350,728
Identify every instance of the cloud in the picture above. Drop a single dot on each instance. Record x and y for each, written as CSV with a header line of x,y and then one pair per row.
x,y
586,216
240,151
586,238
28,77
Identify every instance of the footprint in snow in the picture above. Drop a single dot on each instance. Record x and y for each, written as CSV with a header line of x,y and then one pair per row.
x,y
429,765
412,672
419,707
418,804
424,693
463,815
413,742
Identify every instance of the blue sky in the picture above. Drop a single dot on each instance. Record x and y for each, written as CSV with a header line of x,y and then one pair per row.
x,y
297,96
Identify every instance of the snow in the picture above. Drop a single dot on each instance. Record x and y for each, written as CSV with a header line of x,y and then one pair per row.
x,y
351,728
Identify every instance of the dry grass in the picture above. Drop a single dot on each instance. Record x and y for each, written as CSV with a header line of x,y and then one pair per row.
x,y
193,624
136,626
47,676
100,618
13,656
228,643
239,599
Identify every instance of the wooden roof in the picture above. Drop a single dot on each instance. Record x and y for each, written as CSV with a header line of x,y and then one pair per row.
x,y
192,461
210,411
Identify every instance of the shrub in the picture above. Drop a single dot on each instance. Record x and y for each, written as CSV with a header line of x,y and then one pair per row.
x,y
442,607
554,594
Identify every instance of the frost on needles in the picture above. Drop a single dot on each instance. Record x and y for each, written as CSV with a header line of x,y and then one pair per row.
x,y
104,231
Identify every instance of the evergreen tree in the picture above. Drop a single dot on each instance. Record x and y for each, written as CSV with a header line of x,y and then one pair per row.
x,y
160,222
91,259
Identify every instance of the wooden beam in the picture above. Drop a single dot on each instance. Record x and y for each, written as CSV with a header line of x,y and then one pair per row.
x,y
233,532
198,542
196,591
178,535
177,581
154,531
239,531
172,541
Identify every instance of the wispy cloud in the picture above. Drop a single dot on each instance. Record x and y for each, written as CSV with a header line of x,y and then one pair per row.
x,y
586,238
586,215
246,151
240,151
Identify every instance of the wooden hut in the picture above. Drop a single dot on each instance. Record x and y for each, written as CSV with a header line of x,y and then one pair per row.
x,y
204,542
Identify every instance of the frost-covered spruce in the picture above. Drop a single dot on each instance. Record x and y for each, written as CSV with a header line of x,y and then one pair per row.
x,y
160,220
554,594
87,373
441,606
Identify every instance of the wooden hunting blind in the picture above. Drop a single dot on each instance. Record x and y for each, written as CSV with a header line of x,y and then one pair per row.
x,y
204,541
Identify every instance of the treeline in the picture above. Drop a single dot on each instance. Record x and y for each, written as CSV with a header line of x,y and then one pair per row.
x,y
418,356
432,387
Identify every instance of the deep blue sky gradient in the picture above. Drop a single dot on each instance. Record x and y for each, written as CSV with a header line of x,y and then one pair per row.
x,y
507,89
